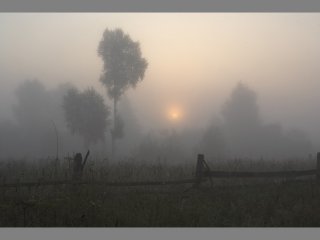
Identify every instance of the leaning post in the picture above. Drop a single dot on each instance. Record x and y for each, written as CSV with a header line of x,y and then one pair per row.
x,y
77,168
199,170
318,167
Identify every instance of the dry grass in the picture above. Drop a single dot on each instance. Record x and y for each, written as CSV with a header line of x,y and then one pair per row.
x,y
234,203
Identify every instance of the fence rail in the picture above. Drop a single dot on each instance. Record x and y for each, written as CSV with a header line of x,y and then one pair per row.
x,y
281,174
102,183
202,173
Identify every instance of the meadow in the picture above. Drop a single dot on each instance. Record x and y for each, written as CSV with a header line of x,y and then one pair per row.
x,y
225,203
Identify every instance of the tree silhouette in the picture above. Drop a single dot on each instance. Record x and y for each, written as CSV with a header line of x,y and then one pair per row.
x,y
241,110
33,104
86,114
33,113
123,68
247,135
212,143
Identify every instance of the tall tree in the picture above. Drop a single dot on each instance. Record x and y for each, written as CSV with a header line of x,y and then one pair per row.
x,y
242,121
86,114
123,68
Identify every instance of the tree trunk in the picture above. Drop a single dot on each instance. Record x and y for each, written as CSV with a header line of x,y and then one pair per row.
x,y
113,135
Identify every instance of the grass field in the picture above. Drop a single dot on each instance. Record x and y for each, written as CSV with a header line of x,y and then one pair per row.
x,y
228,203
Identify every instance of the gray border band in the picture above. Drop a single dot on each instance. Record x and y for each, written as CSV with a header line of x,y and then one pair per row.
x,y
159,233
159,6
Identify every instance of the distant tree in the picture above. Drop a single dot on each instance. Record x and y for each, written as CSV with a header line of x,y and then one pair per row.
x,y
39,126
248,136
123,68
242,122
241,110
148,148
33,104
33,113
86,114
166,147
298,144
9,139
212,143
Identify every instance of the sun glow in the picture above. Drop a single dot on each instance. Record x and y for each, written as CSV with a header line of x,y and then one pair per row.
x,y
174,114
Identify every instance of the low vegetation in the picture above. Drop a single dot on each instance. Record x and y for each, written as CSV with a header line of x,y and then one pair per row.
x,y
226,203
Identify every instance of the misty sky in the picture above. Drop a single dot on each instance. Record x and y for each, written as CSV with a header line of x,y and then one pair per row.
x,y
195,60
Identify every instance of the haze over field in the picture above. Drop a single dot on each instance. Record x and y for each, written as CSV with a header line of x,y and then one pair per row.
x,y
213,81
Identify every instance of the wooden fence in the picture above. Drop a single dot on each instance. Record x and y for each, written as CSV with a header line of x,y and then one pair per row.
x,y
202,173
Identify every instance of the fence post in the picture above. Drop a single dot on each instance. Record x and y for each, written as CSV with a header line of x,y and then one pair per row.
x,y
77,168
318,166
199,170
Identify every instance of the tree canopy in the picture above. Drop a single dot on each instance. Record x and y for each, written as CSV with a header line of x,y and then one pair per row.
x,y
241,109
247,135
123,65
86,114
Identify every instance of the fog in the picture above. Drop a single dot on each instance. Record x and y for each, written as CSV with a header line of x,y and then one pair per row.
x,y
229,85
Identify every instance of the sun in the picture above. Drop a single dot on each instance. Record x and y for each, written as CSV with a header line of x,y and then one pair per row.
x,y
174,114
